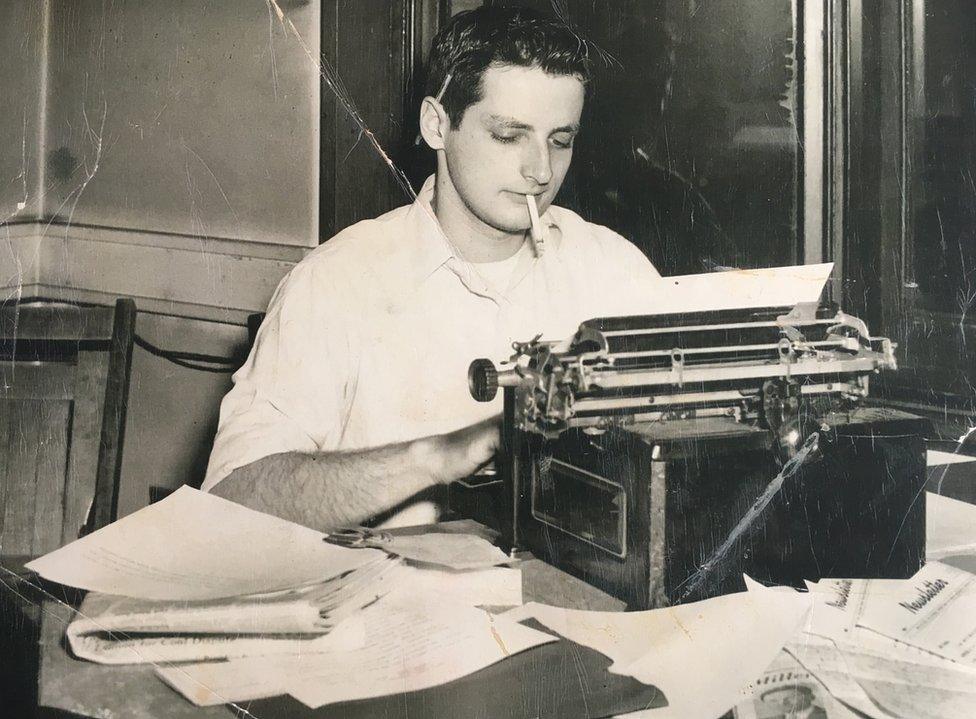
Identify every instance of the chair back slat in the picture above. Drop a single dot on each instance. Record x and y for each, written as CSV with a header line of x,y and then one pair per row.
x,y
37,380
105,508
86,432
55,322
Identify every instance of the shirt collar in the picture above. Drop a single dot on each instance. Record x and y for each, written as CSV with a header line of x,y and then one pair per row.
x,y
432,250
429,249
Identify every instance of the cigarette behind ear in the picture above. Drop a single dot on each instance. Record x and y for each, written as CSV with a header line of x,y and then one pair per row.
x,y
440,96
538,236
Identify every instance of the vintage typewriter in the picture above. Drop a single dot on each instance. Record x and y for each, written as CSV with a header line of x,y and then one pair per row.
x,y
661,457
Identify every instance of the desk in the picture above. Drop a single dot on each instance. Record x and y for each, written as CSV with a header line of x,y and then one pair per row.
x,y
134,692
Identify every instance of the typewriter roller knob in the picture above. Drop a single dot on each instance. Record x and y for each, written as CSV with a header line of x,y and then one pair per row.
x,y
483,380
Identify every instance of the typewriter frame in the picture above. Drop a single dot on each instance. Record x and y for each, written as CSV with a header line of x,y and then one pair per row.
x,y
661,438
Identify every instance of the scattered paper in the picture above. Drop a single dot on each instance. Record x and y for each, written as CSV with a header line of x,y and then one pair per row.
x,y
453,551
389,648
622,637
409,647
950,527
917,701
876,683
934,457
660,646
898,648
835,614
835,607
245,677
787,691
258,676
194,545
875,674
491,587
742,289
934,611
824,660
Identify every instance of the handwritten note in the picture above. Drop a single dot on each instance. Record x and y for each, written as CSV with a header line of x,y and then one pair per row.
x,y
410,647
389,648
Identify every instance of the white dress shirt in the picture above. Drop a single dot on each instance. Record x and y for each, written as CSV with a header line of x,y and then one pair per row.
x,y
367,341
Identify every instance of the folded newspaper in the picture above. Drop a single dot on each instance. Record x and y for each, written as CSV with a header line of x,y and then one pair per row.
x,y
124,630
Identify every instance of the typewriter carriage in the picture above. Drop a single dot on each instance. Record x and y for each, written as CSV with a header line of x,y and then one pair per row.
x,y
617,371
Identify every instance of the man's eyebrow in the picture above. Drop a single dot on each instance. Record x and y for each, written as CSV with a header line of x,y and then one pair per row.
x,y
573,128
514,124
509,122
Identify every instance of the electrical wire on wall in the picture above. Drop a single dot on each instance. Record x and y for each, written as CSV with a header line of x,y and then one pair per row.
x,y
192,360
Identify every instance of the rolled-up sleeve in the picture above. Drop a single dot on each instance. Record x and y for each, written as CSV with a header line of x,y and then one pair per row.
x,y
294,392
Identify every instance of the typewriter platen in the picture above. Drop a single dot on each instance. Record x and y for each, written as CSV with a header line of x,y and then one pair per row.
x,y
632,452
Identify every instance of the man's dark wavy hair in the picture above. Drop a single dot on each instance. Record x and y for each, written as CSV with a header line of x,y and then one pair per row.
x,y
487,37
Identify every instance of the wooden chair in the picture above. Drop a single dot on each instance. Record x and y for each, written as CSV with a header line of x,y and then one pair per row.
x,y
64,381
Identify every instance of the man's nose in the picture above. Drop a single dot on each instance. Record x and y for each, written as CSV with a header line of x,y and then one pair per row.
x,y
537,163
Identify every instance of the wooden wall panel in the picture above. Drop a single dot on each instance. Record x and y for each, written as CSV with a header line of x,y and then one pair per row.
x,y
23,35
185,117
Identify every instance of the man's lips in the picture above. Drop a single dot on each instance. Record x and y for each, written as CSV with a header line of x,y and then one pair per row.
x,y
520,196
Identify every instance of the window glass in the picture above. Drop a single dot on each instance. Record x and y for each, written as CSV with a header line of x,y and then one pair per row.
x,y
945,216
690,147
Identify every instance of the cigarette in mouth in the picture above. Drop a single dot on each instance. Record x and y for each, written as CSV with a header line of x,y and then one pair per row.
x,y
538,238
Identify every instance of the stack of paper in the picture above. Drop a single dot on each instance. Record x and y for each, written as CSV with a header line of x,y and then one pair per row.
x,y
124,630
194,545
196,577
425,631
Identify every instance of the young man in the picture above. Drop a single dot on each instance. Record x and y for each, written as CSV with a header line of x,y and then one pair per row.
x,y
353,405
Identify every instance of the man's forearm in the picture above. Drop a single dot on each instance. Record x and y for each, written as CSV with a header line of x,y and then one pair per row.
x,y
331,490
340,489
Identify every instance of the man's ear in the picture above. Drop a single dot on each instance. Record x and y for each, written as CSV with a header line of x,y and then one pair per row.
x,y
434,123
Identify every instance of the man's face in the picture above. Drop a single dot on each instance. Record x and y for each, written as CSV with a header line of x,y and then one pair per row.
x,y
793,700
517,140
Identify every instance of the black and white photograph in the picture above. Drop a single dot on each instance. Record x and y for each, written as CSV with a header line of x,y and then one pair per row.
x,y
531,359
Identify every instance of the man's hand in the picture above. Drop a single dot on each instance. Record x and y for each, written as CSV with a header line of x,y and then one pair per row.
x,y
461,453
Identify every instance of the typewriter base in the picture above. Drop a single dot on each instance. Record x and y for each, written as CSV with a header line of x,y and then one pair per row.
x,y
636,511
